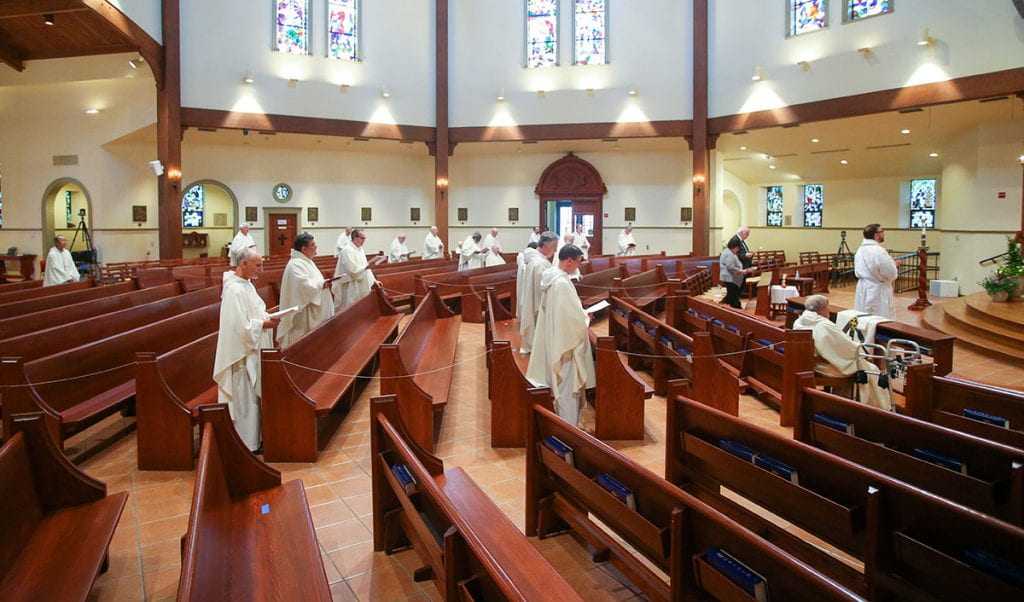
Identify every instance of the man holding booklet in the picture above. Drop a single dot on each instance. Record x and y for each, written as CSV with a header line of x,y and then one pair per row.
x,y
353,277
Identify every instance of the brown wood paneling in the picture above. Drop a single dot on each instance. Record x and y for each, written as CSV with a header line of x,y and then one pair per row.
x,y
291,124
573,131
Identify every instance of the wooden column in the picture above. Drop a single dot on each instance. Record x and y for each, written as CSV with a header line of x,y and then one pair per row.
x,y
700,146
169,133
442,148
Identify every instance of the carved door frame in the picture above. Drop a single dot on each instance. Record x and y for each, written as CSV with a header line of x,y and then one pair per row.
x,y
573,179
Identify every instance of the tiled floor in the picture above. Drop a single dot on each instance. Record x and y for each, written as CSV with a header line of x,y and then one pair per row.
x,y
145,555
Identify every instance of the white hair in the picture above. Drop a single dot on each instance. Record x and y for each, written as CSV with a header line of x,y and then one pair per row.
x,y
816,303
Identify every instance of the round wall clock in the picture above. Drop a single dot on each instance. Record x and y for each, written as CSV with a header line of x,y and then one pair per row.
x,y
282,193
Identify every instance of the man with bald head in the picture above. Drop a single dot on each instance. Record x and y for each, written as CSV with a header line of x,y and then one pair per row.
x,y
493,249
399,252
60,267
743,254
242,240
530,289
433,246
355,279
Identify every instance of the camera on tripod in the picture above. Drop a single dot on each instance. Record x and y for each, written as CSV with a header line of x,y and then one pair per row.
x,y
81,213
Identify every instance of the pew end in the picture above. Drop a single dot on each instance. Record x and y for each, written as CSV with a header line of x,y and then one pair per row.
x,y
20,397
619,404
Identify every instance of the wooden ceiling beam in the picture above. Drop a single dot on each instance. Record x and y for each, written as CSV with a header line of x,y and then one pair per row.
x,y
9,55
149,48
26,8
293,124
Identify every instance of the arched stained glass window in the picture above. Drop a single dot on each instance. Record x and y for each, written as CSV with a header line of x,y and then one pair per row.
x,y
814,201
343,30
541,33
193,205
590,25
291,27
862,9
806,16
922,203
774,205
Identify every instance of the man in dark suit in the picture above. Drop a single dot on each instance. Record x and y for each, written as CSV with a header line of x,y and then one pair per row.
x,y
740,239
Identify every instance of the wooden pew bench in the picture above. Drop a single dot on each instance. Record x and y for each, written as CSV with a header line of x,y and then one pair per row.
x,y
38,292
57,523
20,286
596,286
418,366
307,382
992,477
400,285
467,545
620,395
451,286
647,290
249,536
672,530
27,306
474,299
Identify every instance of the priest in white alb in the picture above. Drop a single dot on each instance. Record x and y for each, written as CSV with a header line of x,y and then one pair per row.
x,y
627,245
529,290
433,246
398,251
534,235
244,330
561,358
242,240
303,286
580,240
876,271
472,254
60,267
344,240
837,355
355,279
493,249
522,259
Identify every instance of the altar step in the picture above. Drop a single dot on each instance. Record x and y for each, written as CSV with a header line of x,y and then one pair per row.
x,y
994,329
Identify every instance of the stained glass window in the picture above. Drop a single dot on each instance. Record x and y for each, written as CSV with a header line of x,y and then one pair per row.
x,y
343,30
922,203
590,22
774,205
193,204
805,16
814,201
67,209
541,33
291,29
862,9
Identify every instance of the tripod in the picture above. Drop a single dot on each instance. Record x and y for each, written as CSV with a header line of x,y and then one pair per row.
x,y
840,261
87,239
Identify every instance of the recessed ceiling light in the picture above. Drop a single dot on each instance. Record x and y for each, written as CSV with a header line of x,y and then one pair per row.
x,y
757,76
771,167
501,94
844,162
933,155
633,91
92,111
904,131
743,148
248,78
384,93
48,19
815,140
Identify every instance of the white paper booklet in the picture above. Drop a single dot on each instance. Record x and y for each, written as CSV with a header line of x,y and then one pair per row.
x,y
284,312
597,307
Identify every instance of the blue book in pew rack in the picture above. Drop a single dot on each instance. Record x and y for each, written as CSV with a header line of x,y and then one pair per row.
x,y
665,341
780,468
739,573
561,450
738,449
944,461
834,423
404,477
995,566
616,488
986,417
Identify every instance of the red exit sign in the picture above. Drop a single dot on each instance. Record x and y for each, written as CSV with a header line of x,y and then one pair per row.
x,y
1002,195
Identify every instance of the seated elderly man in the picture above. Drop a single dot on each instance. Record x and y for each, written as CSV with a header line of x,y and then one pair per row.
x,y
838,356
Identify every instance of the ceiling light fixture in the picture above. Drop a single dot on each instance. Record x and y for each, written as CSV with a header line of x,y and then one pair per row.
x,y
384,93
541,93
904,131
92,111
590,91
767,156
48,19
501,94
805,65
757,76
771,167
743,148
865,52
933,155
926,38
292,82
633,91
844,162
815,140
135,63
248,78
344,87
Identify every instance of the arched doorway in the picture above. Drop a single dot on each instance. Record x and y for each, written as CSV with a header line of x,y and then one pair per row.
x,y
209,218
732,215
572,192
66,204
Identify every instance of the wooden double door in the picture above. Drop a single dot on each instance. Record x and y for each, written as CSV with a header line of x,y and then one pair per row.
x,y
563,215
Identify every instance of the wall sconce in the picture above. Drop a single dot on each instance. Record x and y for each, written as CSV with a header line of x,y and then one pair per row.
x,y
805,65
926,38
173,174
248,78
698,183
344,88
384,93
866,52
633,91
1021,159
442,185
757,76
590,91
135,63
501,94
292,82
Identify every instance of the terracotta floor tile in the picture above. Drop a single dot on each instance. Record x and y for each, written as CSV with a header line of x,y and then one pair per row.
x,y
162,530
342,535
361,505
353,487
161,584
340,592
127,589
331,513
319,494
166,508
161,556
360,558
389,583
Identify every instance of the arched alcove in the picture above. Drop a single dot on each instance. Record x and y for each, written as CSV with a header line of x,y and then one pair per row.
x,y
572,188
220,217
732,215
62,202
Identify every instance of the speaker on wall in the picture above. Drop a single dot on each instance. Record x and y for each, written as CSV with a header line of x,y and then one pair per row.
x,y
1019,5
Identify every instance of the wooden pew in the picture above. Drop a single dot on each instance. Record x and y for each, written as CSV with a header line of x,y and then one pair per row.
x,y
57,522
993,478
49,318
467,545
18,308
39,292
20,286
942,400
620,395
418,366
400,285
511,394
635,263
934,344
451,286
475,297
249,536
596,286
647,290
669,528
306,382
864,513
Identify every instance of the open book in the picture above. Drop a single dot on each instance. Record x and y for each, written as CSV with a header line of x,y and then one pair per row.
x,y
593,309
284,312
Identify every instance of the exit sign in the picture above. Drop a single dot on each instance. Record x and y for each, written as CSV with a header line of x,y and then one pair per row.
x,y
1002,195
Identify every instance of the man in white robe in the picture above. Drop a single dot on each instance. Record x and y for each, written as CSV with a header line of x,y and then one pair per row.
x,y
627,246
244,330
472,254
567,239
522,259
398,252
876,271
242,240
493,249
530,292
535,235
355,278
581,241
303,286
344,240
433,247
60,267
837,355
561,358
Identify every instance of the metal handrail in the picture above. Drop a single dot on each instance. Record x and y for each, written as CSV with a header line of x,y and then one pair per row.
x,y
992,259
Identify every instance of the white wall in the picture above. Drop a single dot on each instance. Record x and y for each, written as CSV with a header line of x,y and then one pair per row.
x,y
971,37
146,13
223,40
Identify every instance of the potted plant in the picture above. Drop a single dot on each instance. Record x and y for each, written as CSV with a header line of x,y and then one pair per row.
x,y
1013,266
999,286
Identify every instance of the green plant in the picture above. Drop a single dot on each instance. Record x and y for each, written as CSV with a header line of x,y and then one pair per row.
x,y
1013,261
999,283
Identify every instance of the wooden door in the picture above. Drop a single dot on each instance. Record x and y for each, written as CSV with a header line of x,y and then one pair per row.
x,y
588,213
283,230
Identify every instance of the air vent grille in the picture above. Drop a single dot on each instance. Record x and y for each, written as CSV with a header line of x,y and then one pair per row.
x,y
65,160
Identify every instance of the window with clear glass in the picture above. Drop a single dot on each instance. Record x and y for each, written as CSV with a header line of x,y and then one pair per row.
x,y
590,25
774,205
806,16
291,26
193,205
922,203
541,33
814,200
343,30
862,9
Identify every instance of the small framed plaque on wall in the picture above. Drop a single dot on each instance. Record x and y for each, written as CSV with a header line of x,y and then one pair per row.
x,y
250,214
686,214
366,214
513,214
630,214
312,214
414,214
463,214
138,213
